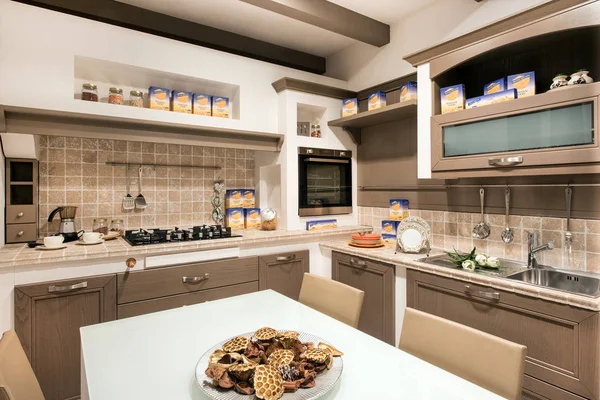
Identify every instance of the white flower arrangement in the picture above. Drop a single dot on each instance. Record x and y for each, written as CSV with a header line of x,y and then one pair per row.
x,y
473,261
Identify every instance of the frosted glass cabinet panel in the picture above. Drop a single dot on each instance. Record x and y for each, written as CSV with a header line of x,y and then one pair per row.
x,y
566,126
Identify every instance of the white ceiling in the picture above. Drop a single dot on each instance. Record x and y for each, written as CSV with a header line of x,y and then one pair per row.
x,y
248,20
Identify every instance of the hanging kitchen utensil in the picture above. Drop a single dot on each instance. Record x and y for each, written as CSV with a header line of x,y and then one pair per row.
x,y
482,229
140,201
507,233
128,200
568,234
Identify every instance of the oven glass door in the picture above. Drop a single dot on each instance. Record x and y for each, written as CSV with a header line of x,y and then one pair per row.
x,y
325,185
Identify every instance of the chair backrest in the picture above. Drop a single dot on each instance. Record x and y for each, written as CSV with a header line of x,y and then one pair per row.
x,y
333,298
17,380
483,359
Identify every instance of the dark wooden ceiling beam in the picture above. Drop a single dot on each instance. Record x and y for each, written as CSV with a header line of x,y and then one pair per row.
x,y
143,20
331,17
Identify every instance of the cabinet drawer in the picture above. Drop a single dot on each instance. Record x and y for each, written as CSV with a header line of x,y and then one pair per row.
x,y
180,300
19,233
284,272
150,284
25,214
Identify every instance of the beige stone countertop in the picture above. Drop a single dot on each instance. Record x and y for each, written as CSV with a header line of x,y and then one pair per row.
x,y
386,254
20,255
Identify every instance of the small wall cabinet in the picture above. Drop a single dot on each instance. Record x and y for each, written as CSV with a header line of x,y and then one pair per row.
x,y
284,272
376,279
21,200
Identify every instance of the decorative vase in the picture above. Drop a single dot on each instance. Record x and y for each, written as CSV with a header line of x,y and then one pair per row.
x,y
585,75
576,79
560,80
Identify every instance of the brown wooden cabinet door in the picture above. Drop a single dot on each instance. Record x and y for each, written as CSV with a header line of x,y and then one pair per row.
x,y
47,320
284,272
563,342
377,281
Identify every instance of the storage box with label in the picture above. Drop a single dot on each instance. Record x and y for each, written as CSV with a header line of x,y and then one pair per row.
x,y
493,98
319,225
524,83
389,227
252,218
249,198
202,104
182,101
408,91
349,107
234,199
499,85
220,107
398,209
376,100
389,238
159,98
234,218
452,98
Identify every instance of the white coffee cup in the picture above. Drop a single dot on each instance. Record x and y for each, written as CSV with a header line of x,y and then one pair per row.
x,y
92,237
53,241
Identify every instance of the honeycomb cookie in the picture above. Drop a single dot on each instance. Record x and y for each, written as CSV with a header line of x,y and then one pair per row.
x,y
268,382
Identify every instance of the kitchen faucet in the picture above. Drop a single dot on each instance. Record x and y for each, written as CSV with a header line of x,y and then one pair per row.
x,y
531,259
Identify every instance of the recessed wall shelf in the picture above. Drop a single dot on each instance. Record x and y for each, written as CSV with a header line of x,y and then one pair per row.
x,y
393,112
67,123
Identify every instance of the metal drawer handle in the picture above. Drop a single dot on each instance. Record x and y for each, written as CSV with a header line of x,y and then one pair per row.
x,y
358,263
195,279
21,233
481,293
68,288
19,215
288,258
505,161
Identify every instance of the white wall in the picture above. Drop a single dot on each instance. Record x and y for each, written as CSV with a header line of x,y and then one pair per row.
x,y
363,65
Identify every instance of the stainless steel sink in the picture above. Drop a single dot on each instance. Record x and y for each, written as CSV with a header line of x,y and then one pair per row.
x,y
560,280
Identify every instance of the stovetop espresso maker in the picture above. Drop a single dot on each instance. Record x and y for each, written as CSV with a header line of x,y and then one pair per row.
x,y
67,226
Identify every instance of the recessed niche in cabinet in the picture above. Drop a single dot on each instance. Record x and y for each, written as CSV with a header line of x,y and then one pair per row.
x,y
107,74
565,51
307,113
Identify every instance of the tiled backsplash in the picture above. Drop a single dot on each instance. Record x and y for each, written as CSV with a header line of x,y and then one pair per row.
x,y
453,230
73,172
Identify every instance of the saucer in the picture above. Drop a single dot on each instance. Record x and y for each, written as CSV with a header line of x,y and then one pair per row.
x,y
81,242
43,247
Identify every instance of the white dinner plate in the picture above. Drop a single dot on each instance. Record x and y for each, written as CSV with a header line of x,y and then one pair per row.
x,y
81,242
43,247
413,234
325,380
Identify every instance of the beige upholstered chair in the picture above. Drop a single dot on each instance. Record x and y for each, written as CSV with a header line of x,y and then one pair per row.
x,y
17,380
333,298
486,360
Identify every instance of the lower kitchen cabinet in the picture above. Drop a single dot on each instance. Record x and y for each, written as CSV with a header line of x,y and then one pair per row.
x,y
47,320
563,342
284,272
376,279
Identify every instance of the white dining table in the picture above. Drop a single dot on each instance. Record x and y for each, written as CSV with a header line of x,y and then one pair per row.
x,y
154,356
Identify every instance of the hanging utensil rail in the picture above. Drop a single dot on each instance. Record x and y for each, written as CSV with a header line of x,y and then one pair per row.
x,y
114,163
456,186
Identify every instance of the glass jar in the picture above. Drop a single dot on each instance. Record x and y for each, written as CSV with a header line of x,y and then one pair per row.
x,y
136,98
100,226
89,92
268,219
315,130
115,96
116,225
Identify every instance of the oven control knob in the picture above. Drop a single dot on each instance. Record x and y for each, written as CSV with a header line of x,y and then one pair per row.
x,y
309,151
342,154
130,262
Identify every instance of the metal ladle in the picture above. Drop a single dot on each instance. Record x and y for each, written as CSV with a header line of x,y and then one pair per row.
x,y
507,233
482,229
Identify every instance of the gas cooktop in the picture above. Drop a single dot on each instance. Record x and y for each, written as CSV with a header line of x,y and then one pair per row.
x,y
143,237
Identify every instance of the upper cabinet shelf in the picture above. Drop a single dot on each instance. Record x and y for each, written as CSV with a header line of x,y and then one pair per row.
x,y
391,113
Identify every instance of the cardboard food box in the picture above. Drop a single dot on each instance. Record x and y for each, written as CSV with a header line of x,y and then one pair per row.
x,y
452,98
349,107
398,209
376,100
182,101
234,198
387,238
319,225
220,107
249,198
494,98
234,218
408,91
389,227
499,85
252,218
159,98
202,104
524,83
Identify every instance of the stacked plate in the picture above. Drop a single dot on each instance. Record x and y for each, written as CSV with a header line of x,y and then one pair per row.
x,y
366,240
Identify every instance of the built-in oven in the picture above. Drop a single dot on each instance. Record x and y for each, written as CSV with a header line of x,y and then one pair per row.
x,y
324,182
